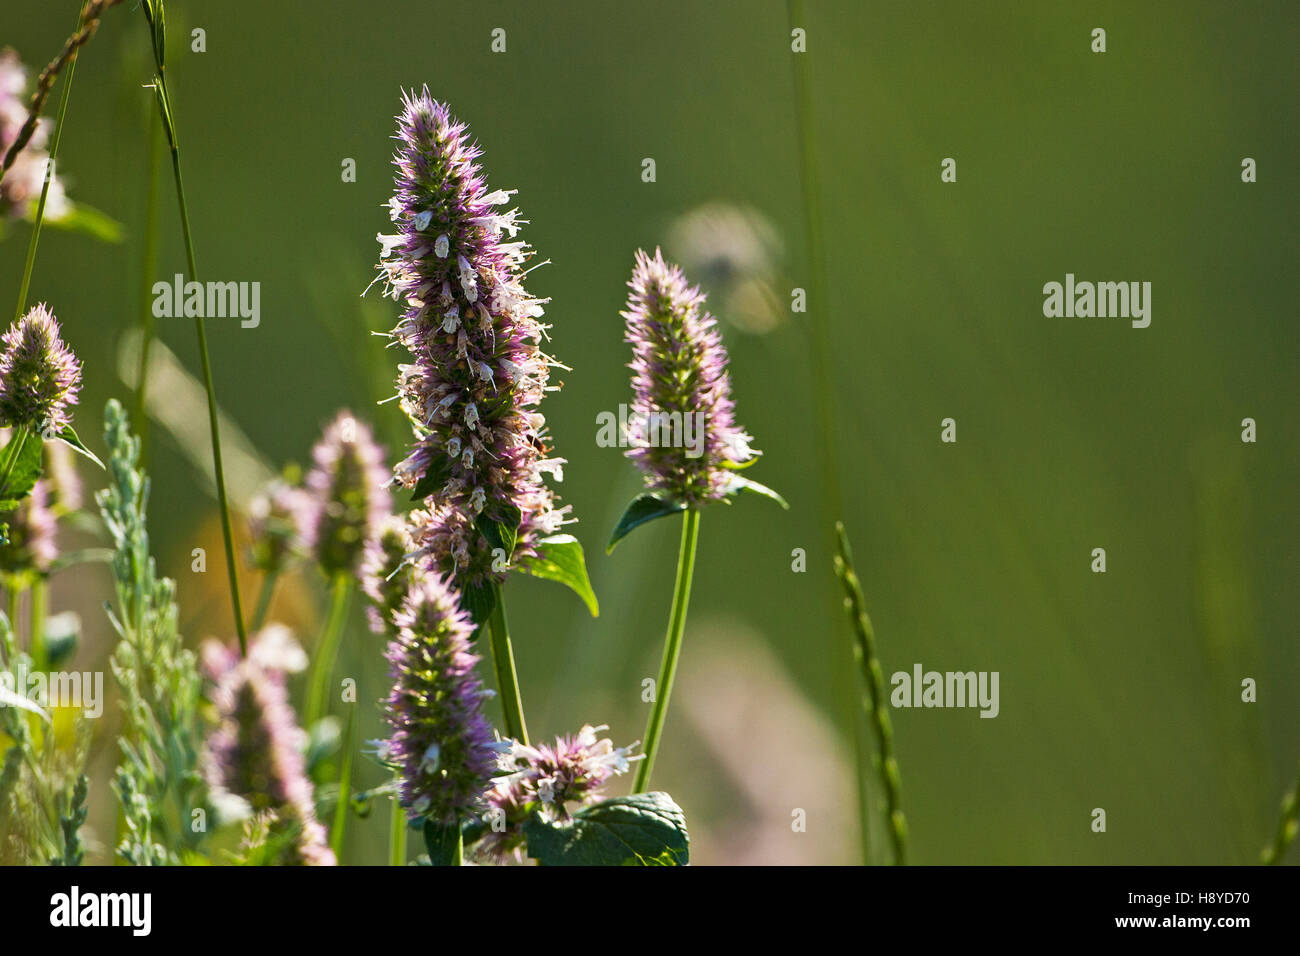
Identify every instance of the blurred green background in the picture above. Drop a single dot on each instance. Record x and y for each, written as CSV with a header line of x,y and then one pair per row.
x,y
1119,691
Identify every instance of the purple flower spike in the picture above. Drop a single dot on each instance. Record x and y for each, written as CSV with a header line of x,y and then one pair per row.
x,y
348,495
478,372
682,430
256,750
39,375
441,744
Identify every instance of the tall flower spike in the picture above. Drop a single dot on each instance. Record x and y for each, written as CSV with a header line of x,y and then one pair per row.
x,y
441,744
276,516
39,375
348,493
545,779
256,750
20,189
682,431
478,372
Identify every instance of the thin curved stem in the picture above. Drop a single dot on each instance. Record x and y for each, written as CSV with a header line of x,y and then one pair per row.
x,y
264,596
37,608
328,650
874,701
503,663
397,835
345,789
672,647
214,429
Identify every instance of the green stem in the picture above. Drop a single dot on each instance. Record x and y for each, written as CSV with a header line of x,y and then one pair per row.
x,y
214,428
149,267
328,650
843,690
874,701
458,856
45,186
397,835
1287,826
503,663
672,647
38,607
263,601
345,789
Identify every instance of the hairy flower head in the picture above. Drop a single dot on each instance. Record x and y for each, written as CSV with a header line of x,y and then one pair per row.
x,y
546,779
387,574
440,742
276,517
348,495
682,430
39,375
477,372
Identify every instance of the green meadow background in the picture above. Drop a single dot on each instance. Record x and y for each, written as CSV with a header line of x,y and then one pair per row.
x,y
1118,690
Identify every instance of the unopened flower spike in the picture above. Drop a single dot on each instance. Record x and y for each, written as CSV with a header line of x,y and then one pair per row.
x,y
348,493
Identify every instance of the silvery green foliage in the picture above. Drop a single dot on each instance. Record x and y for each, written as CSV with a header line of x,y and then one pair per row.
x,y
158,781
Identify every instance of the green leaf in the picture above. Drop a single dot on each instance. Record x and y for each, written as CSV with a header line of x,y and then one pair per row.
x,y
431,481
478,601
645,507
26,470
502,534
443,843
68,436
739,484
560,558
647,829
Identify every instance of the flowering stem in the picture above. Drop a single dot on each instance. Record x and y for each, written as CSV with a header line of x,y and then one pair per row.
x,y
458,855
45,186
397,835
169,127
263,601
345,789
1286,827
503,662
672,647
323,666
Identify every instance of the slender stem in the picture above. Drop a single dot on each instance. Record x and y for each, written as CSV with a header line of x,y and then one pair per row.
x,y
214,429
1287,826
263,601
874,700
11,453
397,835
503,662
843,689
38,607
45,186
149,265
672,647
458,856
328,650
345,788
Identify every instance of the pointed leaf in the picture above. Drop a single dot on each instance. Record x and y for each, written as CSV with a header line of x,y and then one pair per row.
x,y
647,829
68,436
26,470
645,507
431,481
503,533
478,601
560,558
739,484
